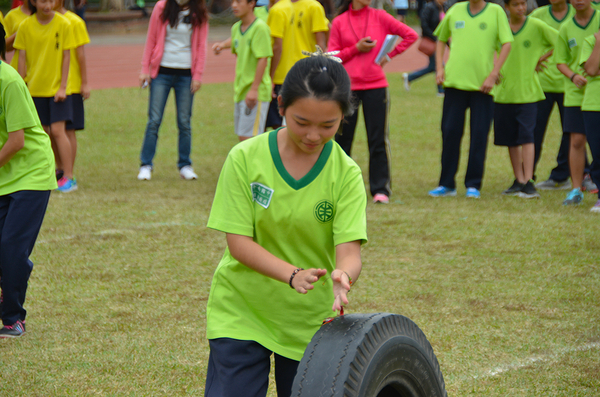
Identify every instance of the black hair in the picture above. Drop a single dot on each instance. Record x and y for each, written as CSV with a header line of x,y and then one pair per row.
x,y
328,7
2,42
321,78
345,6
198,12
32,8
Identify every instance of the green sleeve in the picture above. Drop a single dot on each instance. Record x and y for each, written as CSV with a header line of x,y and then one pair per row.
x,y
17,109
442,32
586,50
561,48
261,44
233,210
350,222
504,33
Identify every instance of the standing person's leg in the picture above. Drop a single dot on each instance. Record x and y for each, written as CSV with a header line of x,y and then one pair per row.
x,y
574,125
541,123
456,103
285,371
430,68
592,131
562,172
21,216
376,104
345,138
482,111
237,368
159,93
526,118
184,100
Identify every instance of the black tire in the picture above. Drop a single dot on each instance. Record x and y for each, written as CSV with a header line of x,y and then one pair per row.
x,y
369,355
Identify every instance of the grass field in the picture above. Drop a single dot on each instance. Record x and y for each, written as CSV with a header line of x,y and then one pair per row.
x,y
507,290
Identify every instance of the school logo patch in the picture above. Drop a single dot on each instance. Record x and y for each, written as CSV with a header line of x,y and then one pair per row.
x,y
261,194
527,44
236,43
324,211
572,43
459,25
483,26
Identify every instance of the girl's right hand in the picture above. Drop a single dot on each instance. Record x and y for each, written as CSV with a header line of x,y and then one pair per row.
x,y
366,44
144,80
217,48
304,280
440,77
579,81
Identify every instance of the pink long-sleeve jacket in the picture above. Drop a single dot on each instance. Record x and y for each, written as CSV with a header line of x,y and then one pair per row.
x,y
351,26
155,44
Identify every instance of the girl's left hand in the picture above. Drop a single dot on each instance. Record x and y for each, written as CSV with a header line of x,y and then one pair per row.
x,y
195,86
489,83
61,95
341,287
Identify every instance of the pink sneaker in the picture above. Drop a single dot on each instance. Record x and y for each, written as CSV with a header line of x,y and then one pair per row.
x,y
380,198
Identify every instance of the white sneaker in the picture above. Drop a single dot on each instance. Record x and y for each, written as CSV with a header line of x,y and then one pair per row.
x,y
145,173
188,173
406,82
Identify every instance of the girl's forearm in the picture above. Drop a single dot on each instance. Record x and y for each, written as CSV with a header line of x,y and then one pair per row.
x,y
348,259
261,66
22,69
592,65
504,51
10,41
564,69
440,49
65,69
14,143
249,253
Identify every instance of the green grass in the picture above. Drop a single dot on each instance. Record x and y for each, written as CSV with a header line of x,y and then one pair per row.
x,y
505,289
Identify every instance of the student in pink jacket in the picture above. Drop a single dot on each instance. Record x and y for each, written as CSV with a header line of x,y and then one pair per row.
x,y
358,32
174,57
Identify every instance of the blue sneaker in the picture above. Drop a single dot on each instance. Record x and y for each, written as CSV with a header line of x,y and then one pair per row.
x,y
67,185
442,191
473,193
575,197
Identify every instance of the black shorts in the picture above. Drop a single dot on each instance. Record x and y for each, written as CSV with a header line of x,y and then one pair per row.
x,y
514,123
78,121
51,112
573,120
274,119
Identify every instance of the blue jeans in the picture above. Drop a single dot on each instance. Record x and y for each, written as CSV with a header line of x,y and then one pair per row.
x,y
159,93
426,70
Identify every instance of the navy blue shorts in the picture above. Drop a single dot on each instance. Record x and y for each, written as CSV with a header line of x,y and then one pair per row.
x,y
573,120
52,112
241,368
274,119
514,123
78,120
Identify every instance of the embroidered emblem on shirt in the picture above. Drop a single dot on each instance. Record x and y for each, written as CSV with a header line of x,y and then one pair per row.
x,y
261,194
572,43
459,25
483,26
324,211
527,44
57,43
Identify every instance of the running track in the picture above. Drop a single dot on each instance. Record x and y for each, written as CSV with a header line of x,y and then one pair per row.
x,y
115,65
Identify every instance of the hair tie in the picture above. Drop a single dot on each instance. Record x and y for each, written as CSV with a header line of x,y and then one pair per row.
x,y
319,53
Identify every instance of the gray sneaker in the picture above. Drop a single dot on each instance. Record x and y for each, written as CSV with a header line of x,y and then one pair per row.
x,y
588,185
551,184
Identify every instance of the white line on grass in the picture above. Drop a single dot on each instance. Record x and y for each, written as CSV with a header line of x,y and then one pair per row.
x,y
119,231
538,359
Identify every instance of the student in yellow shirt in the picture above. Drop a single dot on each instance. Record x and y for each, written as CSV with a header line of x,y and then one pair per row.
x,y
44,41
11,24
77,84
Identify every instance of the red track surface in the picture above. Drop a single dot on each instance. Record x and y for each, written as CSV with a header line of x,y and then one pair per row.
x,y
115,65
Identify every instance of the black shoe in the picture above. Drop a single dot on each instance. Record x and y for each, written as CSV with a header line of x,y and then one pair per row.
x,y
514,189
13,331
528,191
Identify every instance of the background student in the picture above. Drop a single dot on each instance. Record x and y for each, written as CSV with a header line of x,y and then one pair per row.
x,y
11,23
590,107
517,96
174,58
46,74
358,32
296,26
476,29
77,84
251,40
571,36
